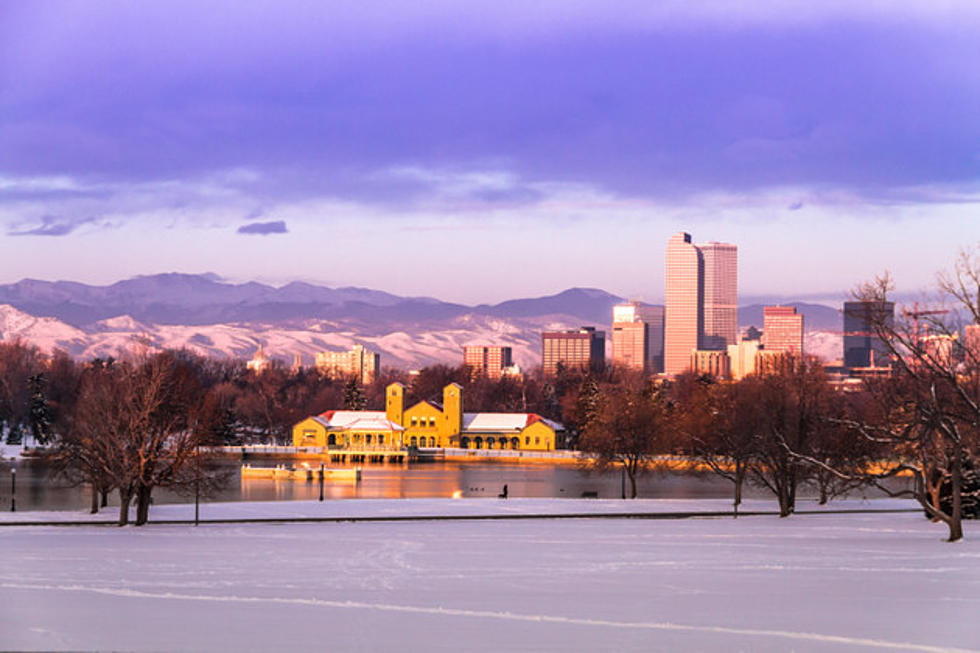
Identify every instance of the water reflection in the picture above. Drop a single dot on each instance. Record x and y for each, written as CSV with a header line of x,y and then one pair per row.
x,y
38,489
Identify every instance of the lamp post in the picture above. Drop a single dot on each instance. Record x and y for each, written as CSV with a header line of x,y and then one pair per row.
x,y
321,480
13,489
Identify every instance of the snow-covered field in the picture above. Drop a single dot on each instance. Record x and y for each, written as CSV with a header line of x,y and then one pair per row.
x,y
810,582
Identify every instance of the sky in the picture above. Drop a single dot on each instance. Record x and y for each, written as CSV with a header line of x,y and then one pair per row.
x,y
480,151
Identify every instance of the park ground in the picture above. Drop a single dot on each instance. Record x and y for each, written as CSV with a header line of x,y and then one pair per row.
x,y
811,582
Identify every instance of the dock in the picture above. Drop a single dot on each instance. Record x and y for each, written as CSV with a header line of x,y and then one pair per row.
x,y
284,473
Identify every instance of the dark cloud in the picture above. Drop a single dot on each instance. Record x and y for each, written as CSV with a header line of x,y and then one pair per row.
x,y
633,109
50,226
264,228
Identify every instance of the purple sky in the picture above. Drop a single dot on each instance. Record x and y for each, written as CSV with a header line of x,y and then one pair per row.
x,y
478,151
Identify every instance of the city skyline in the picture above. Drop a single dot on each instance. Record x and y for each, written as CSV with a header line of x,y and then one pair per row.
x,y
142,139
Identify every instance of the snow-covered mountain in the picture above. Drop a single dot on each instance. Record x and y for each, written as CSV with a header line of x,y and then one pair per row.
x,y
203,314
402,346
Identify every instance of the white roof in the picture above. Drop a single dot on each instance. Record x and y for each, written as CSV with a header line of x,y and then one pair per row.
x,y
502,422
358,420
376,420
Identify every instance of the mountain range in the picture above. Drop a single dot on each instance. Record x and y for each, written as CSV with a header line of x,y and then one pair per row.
x,y
203,313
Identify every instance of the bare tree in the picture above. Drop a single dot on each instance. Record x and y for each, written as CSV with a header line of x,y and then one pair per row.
x,y
630,429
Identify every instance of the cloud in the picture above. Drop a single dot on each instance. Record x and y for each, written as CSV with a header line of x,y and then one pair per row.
x,y
264,228
51,226
795,206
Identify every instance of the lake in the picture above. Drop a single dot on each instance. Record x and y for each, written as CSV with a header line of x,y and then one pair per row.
x,y
38,489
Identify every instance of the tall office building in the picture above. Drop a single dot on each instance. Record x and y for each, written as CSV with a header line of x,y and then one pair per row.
x,y
359,363
487,360
631,345
683,309
720,261
782,329
653,317
584,348
861,347
701,293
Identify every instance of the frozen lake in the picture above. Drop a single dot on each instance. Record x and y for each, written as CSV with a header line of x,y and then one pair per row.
x,y
806,583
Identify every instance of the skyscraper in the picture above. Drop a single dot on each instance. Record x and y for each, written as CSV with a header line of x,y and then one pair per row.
x,y
782,329
720,262
683,310
861,347
701,310
631,345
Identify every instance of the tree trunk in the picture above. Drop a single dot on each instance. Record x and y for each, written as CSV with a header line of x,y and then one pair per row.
x,y
105,496
143,504
124,498
631,472
956,518
95,498
739,477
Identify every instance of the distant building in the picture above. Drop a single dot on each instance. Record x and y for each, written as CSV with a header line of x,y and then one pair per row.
x,y
653,317
701,292
684,289
712,362
971,344
490,361
720,295
939,349
862,348
631,345
259,361
358,362
782,329
770,362
742,357
584,348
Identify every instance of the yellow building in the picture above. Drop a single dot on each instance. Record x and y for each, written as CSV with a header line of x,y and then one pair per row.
x,y
426,424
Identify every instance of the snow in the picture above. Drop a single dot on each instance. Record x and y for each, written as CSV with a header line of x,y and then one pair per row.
x,y
809,582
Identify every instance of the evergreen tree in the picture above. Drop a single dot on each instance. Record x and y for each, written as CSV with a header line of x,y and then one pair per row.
x,y
354,396
586,405
40,413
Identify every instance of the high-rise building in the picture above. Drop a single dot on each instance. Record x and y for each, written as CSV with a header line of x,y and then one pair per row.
x,y
862,348
782,329
701,293
683,314
720,261
631,345
584,348
487,360
360,363
654,317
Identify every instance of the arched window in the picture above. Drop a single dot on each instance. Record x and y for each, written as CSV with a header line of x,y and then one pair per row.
x,y
464,442
515,443
478,442
331,440
490,443
414,441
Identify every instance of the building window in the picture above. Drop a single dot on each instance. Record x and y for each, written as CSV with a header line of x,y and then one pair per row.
x,y
414,421
432,421
537,440
527,440
381,438
367,438
414,441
